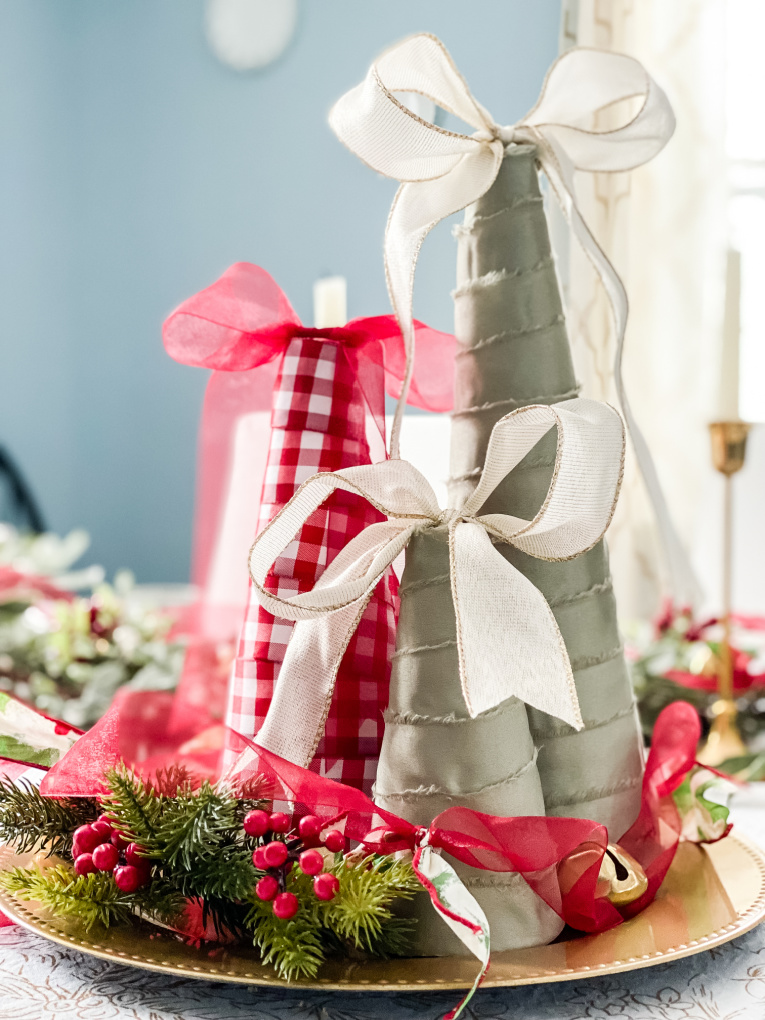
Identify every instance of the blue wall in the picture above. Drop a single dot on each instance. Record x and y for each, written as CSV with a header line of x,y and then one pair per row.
x,y
134,168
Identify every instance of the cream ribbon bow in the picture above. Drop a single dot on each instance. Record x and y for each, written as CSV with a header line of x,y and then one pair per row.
x,y
508,640
443,171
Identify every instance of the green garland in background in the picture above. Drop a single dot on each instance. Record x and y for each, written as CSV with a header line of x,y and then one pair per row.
x,y
68,654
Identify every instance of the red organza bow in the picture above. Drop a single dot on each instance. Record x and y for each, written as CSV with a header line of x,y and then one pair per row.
x,y
559,858
244,320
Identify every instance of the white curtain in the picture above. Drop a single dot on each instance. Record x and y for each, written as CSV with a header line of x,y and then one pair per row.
x,y
664,226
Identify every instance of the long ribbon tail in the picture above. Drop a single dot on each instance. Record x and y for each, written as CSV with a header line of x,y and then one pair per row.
x,y
458,909
417,208
559,172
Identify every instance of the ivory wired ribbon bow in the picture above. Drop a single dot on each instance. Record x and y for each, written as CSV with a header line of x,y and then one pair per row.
x,y
444,171
508,640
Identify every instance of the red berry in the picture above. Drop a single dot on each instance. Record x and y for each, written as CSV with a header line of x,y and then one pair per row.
x,y
119,841
134,855
109,819
259,858
310,826
256,823
86,838
311,862
106,857
334,840
103,830
325,886
266,888
128,878
286,905
279,822
83,864
275,854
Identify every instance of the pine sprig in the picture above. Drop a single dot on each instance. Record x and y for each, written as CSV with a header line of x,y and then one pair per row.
x,y
92,898
170,779
194,825
27,819
294,948
135,806
361,914
228,875
160,901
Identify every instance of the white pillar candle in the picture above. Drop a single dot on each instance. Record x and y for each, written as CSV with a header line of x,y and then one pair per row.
x,y
730,365
330,302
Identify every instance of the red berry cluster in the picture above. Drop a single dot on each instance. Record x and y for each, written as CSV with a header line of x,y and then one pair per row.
x,y
100,847
277,857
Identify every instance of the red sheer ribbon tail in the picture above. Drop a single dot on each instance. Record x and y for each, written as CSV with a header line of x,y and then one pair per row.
x,y
432,386
653,838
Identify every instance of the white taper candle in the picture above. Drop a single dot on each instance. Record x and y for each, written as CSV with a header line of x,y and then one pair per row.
x,y
728,409
330,302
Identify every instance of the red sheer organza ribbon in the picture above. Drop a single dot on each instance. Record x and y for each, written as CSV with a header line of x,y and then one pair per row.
x,y
559,858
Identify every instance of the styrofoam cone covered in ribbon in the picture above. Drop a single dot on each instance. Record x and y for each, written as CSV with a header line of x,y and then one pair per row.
x,y
324,411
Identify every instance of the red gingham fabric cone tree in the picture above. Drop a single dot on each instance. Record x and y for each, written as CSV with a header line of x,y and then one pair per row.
x,y
327,404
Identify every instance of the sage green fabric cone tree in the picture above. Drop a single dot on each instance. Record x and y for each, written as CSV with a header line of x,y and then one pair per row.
x,y
513,351
434,756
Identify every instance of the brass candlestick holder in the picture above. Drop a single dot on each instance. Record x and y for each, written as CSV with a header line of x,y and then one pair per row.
x,y
724,740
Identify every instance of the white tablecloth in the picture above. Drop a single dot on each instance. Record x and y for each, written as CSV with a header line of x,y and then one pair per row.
x,y
41,981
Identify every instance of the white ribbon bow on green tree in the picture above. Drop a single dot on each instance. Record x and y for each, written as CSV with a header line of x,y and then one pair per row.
x,y
444,171
508,640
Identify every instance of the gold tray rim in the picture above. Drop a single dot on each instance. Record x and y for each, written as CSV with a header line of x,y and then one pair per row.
x,y
40,922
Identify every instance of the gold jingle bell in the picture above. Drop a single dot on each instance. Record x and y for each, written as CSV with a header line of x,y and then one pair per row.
x,y
624,877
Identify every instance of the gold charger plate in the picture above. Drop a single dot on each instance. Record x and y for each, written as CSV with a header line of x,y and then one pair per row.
x,y
710,896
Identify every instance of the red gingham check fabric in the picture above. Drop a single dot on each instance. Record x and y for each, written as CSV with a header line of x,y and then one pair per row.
x,y
318,423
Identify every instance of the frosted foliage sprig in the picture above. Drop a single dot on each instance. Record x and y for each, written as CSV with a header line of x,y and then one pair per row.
x,y
68,655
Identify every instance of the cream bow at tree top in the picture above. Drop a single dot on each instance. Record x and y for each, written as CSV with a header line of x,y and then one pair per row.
x,y
508,641
444,171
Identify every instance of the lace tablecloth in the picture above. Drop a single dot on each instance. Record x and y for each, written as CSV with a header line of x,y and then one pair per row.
x,y
42,981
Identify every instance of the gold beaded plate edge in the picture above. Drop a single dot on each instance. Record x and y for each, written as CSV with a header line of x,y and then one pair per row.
x,y
710,896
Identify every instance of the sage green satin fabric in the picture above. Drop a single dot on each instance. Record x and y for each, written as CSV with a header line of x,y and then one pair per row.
x,y
511,760
434,756
507,289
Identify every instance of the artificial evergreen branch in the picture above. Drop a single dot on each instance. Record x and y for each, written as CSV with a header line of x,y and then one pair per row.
x,y
170,779
228,875
361,912
92,898
193,826
294,948
160,901
27,819
359,916
135,806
